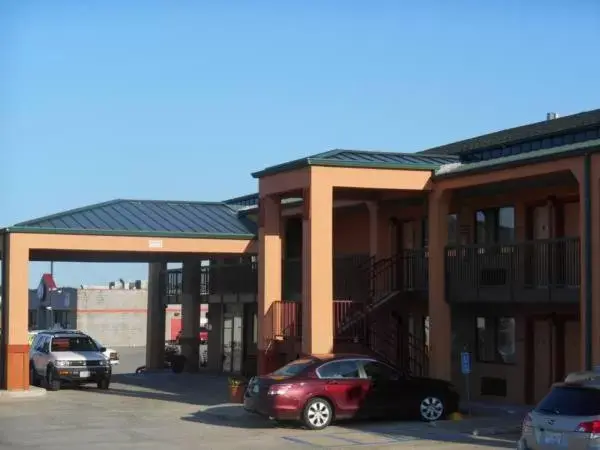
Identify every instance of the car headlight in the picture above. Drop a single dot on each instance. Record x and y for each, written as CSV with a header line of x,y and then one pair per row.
x,y
104,362
61,363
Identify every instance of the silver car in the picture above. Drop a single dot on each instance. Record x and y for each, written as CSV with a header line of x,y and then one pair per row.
x,y
567,418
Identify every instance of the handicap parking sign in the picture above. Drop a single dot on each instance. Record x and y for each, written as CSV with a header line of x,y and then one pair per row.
x,y
465,363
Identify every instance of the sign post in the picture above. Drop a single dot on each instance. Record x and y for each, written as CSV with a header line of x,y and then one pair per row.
x,y
465,368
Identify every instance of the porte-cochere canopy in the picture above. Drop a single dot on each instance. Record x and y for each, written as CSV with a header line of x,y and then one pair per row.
x,y
150,218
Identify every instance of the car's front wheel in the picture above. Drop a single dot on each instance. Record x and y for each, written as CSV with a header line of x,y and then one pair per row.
x,y
431,408
103,383
52,383
318,414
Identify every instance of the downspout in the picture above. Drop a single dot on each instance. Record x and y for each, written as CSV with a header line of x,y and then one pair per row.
x,y
587,257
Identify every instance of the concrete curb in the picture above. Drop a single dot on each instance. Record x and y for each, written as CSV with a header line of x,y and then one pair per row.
x,y
33,392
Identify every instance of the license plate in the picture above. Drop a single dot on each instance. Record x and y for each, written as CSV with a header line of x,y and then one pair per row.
x,y
552,438
84,374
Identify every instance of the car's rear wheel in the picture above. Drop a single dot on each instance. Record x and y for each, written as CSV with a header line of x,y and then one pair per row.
x,y
318,414
431,408
52,383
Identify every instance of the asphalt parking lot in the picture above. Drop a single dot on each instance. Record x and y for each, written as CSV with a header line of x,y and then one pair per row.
x,y
165,410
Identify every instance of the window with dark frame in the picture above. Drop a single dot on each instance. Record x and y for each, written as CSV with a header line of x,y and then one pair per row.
x,y
495,225
495,340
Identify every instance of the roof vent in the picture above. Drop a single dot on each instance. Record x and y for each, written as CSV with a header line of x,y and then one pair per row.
x,y
551,116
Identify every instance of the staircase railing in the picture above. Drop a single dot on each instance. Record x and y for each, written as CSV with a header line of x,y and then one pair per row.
x,y
384,274
393,345
418,359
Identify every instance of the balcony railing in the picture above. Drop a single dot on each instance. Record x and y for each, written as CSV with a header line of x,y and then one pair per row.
x,y
285,318
533,271
174,284
350,278
241,278
407,271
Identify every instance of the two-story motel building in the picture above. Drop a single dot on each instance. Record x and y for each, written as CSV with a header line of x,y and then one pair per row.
x,y
488,245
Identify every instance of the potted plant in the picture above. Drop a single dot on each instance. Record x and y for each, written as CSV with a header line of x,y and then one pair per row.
x,y
237,387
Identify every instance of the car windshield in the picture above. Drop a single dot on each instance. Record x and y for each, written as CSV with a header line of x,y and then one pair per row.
x,y
73,344
293,368
571,401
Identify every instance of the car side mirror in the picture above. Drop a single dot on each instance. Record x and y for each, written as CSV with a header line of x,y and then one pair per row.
x,y
102,349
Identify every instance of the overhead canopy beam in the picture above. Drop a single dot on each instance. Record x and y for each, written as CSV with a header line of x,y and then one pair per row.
x,y
45,244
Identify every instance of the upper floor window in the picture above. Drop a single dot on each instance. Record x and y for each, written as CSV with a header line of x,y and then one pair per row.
x,y
495,225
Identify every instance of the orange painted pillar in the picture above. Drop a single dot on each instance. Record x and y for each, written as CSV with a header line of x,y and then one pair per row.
x,y
15,305
317,269
440,326
269,276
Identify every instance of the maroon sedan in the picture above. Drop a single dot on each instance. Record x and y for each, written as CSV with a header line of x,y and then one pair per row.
x,y
317,390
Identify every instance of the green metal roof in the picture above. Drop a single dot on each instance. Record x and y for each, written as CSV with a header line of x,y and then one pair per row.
x,y
151,218
521,133
363,159
564,151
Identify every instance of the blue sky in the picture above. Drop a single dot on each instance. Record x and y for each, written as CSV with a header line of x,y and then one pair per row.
x,y
182,100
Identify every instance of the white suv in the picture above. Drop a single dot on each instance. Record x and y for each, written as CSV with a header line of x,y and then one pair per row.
x,y
58,357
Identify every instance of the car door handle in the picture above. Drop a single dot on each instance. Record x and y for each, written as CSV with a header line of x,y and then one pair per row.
x,y
333,382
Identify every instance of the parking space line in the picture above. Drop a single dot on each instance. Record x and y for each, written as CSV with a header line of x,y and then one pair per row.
x,y
296,440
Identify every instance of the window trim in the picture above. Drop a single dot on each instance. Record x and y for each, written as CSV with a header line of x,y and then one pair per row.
x,y
497,358
337,361
503,247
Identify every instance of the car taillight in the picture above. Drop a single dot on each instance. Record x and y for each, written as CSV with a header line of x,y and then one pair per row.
x,y
279,389
592,427
527,422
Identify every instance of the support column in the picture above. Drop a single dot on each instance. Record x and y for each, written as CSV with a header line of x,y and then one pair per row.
x,y
588,177
215,337
269,275
440,320
156,321
317,270
15,304
190,311
373,208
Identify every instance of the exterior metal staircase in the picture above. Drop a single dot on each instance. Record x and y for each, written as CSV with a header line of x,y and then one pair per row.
x,y
383,335
384,286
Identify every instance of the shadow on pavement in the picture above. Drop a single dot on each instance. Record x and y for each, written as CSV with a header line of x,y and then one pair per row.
x,y
352,433
194,389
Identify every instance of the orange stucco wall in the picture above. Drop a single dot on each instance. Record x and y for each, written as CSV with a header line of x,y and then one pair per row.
x,y
351,231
